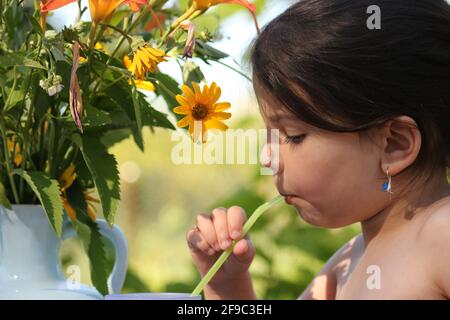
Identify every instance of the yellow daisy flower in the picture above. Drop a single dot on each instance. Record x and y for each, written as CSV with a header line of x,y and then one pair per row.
x,y
202,105
66,180
145,59
72,213
13,146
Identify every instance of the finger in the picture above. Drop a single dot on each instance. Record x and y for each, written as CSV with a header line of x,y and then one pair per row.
x,y
197,242
236,220
219,218
244,251
206,227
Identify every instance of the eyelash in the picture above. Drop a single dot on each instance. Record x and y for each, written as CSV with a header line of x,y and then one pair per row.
x,y
294,139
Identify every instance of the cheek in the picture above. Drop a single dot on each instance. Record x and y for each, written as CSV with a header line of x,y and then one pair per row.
x,y
334,179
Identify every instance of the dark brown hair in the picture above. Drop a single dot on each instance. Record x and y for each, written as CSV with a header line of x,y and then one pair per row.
x,y
320,60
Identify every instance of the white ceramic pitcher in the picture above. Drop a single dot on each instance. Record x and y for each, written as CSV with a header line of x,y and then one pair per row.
x,y
30,267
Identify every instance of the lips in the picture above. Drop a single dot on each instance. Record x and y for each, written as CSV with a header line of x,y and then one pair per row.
x,y
288,199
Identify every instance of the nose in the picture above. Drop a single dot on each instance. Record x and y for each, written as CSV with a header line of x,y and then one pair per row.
x,y
266,155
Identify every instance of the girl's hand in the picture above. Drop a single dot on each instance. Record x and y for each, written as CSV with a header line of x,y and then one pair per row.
x,y
212,235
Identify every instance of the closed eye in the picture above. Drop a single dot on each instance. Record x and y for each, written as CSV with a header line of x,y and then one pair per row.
x,y
294,139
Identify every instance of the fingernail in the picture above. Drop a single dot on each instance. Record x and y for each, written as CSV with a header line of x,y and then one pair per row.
x,y
211,252
225,244
235,234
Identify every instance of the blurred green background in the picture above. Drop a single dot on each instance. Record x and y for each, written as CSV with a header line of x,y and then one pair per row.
x,y
160,199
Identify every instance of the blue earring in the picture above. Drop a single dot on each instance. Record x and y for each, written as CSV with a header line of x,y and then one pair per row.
x,y
387,187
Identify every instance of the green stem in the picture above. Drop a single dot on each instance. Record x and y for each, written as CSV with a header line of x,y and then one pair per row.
x,y
50,145
79,11
36,6
13,88
119,43
116,48
40,148
230,67
189,12
92,35
8,163
160,84
117,30
224,256
113,83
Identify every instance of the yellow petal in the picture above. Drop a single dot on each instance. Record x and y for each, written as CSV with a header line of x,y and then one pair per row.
x,y
215,124
92,199
144,85
188,92
184,122
18,159
156,52
221,115
212,89
182,110
70,211
182,100
127,62
205,94
198,93
216,94
222,106
204,132
67,177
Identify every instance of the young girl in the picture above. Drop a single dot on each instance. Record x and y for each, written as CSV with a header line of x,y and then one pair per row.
x,y
363,112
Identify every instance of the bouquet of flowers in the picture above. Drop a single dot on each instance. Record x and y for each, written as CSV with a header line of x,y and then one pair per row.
x,y
67,96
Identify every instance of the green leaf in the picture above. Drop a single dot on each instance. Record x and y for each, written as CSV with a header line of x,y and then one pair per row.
x,y
205,51
13,59
58,55
112,137
33,64
35,24
94,245
97,257
3,79
95,117
15,95
3,198
48,192
92,117
192,72
168,88
103,168
121,94
153,118
137,113
10,60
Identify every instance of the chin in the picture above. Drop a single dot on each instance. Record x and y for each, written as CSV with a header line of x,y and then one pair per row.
x,y
319,220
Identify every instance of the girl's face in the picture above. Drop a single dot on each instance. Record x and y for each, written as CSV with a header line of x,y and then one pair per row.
x,y
332,179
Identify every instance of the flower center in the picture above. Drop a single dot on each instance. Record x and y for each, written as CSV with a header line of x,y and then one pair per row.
x,y
199,111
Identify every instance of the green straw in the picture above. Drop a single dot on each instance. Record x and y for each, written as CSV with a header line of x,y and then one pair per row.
x,y
224,256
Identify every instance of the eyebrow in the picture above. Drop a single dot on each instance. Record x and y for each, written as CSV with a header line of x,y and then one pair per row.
x,y
277,118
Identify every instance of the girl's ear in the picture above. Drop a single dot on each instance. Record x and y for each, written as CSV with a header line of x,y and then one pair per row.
x,y
401,141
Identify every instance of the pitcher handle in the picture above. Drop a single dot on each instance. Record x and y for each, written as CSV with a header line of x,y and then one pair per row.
x,y
116,236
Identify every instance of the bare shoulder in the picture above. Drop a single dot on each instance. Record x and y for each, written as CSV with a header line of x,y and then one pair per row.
x,y
346,257
433,239
436,225
324,284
